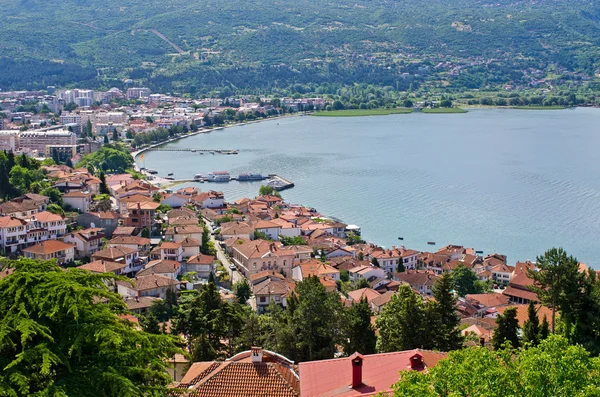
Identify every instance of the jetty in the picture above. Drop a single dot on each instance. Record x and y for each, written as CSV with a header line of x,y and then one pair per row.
x,y
279,183
218,151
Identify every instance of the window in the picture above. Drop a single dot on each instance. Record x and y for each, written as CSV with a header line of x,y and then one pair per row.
x,y
262,299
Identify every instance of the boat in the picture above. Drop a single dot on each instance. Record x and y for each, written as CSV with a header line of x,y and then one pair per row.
x,y
170,178
193,150
198,177
247,176
479,252
170,174
431,242
219,176
151,171
400,238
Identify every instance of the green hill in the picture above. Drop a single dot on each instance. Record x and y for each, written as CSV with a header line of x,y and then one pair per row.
x,y
193,46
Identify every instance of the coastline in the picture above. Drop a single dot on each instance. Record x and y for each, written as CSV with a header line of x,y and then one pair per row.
x,y
137,153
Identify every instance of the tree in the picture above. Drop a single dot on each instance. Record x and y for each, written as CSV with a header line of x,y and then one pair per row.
x,y
242,291
106,141
266,190
53,194
402,322
358,333
149,323
554,368
88,129
103,186
315,321
400,268
55,209
115,135
442,318
531,327
205,248
465,281
557,283
544,329
145,233
68,162
58,341
507,330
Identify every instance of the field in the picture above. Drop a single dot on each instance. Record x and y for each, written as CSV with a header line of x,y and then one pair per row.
x,y
444,110
362,112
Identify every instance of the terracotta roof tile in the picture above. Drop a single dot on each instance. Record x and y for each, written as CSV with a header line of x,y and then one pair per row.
x,y
48,247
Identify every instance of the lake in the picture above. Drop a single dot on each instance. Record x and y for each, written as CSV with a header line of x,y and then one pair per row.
x,y
516,182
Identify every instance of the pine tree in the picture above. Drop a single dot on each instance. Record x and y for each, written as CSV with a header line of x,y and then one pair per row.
x,y
558,283
359,335
106,139
88,128
442,317
402,323
242,291
507,330
531,327
149,324
544,329
103,186
205,249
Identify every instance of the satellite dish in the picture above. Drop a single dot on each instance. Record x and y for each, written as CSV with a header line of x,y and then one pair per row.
x,y
92,225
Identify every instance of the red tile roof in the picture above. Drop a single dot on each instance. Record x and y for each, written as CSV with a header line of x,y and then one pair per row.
x,y
233,379
48,247
379,373
101,266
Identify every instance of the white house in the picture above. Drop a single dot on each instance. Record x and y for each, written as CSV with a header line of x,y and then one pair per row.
x,y
163,267
288,229
202,265
176,200
191,247
78,200
51,249
152,285
54,224
366,272
171,250
270,229
13,233
129,257
86,242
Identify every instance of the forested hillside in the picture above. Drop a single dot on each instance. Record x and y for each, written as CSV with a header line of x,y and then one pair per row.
x,y
187,46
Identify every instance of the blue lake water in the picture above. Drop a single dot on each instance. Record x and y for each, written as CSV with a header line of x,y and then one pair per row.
x,y
509,181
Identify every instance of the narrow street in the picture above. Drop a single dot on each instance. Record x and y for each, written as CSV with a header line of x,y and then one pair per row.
x,y
234,274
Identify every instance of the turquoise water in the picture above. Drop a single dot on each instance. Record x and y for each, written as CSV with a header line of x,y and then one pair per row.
x,y
509,181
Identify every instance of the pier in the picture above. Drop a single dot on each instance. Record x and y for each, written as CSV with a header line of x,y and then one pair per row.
x,y
218,151
279,183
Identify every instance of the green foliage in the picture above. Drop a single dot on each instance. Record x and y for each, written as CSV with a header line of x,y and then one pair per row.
x,y
363,112
56,340
164,208
464,281
103,186
261,236
531,327
558,283
242,291
358,333
552,369
507,329
266,190
353,238
55,209
292,240
443,320
110,158
145,233
402,322
207,247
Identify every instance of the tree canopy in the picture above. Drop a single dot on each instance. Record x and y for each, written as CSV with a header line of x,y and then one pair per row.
x,y
61,335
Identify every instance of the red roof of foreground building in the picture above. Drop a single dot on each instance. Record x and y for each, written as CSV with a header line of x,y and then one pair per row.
x,y
379,373
272,375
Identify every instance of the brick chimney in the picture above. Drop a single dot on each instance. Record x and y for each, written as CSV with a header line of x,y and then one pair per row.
x,y
257,354
357,363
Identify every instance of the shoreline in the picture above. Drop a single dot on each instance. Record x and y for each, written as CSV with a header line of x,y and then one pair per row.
x,y
137,153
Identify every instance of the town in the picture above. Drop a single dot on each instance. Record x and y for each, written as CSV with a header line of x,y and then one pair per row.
x,y
75,198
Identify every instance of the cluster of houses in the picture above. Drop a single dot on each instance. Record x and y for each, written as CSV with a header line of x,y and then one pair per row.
x,y
155,237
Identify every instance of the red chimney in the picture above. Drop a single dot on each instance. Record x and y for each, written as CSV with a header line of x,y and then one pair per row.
x,y
416,362
357,362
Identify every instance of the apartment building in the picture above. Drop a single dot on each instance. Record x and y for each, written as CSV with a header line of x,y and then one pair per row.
x,y
38,140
